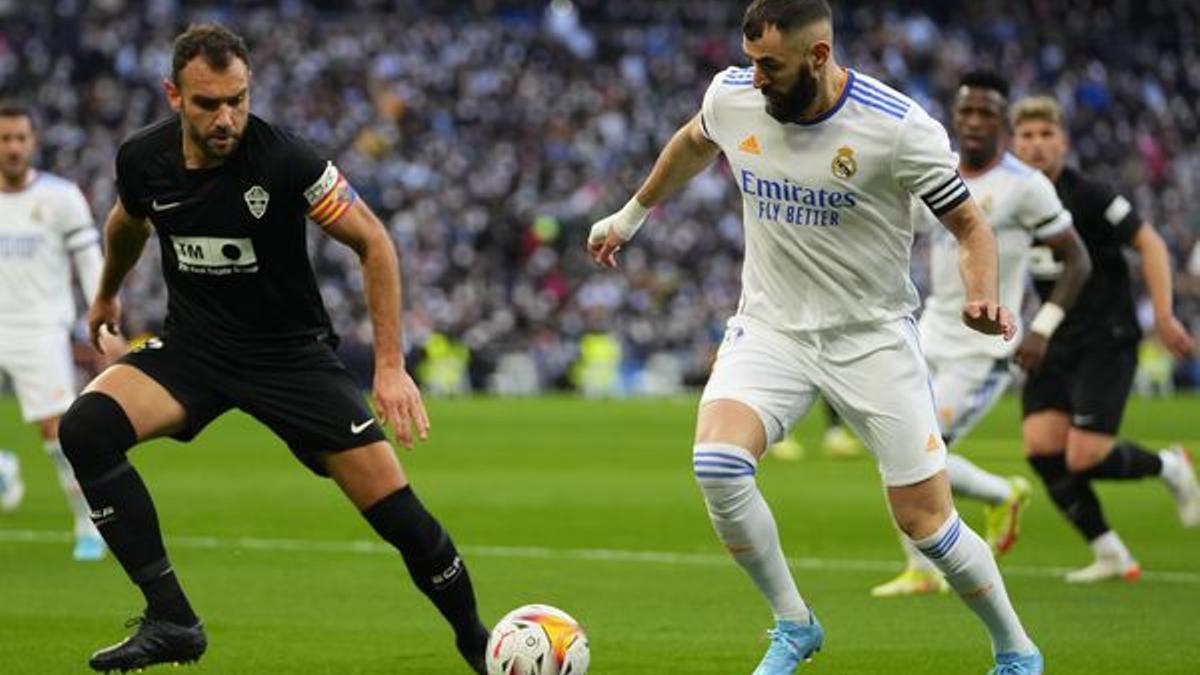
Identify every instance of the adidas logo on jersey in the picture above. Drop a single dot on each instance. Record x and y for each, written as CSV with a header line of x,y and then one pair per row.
x,y
750,145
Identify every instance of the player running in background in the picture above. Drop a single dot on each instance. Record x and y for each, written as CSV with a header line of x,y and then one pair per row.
x,y
1074,402
828,161
971,371
46,228
228,194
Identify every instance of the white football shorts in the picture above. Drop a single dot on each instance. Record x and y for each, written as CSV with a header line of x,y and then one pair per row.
x,y
41,370
965,388
873,374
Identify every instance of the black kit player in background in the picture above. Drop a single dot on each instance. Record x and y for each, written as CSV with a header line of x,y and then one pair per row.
x,y
1073,404
228,194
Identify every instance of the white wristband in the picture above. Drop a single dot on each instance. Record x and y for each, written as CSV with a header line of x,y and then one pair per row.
x,y
1046,321
629,219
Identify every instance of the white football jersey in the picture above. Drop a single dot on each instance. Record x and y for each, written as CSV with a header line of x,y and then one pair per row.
x,y
1020,204
40,228
825,204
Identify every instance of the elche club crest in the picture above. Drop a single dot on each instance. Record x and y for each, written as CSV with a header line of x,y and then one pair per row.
x,y
844,165
256,200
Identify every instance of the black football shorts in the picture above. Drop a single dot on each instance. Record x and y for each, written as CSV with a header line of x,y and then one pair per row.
x,y
1087,379
302,393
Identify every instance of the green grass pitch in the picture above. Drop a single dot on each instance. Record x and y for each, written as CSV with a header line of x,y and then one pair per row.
x,y
588,505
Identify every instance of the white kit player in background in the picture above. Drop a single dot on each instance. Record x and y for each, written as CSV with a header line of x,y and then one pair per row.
x,y
46,227
971,371
828,160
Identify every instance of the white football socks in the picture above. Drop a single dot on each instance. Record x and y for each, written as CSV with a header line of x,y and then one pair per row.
x,y
1110,546
70,486
967,563
969,480
744,523
916,559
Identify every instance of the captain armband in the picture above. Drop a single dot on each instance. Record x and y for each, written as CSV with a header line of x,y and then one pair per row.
x,y
329,197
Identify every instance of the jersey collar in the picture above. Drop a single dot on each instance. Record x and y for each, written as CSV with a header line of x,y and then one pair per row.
x,y
841,100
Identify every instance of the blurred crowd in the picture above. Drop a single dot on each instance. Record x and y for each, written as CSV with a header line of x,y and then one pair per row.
x,y
488,135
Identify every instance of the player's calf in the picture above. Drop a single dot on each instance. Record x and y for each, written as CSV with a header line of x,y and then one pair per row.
x,y
156,641
435,566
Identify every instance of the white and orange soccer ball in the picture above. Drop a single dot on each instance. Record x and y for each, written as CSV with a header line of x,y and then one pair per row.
x,y
537,640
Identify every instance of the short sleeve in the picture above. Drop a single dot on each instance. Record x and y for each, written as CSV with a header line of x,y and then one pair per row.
x,y
925,166
708,112
1042,213
75,220
922,219
130,187
1117,212
326,192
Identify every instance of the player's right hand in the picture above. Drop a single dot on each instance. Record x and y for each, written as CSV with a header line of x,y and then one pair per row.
x,y
608,235
104,313
603,243
1032,351
989,318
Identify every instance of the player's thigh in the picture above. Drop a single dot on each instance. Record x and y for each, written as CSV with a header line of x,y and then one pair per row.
x,y
151,409
315,406
1045,433
760,385
876,377
165,389
42,373
965,389
367,473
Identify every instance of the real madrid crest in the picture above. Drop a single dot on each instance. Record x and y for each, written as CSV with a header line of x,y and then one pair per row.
x,y
256,200
844,165
986,205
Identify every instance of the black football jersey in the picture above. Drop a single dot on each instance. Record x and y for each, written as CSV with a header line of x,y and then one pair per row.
x,y
1107,222
234,251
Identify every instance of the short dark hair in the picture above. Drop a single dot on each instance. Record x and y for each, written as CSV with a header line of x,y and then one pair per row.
x,y
986,79
783,14
16,109
215,43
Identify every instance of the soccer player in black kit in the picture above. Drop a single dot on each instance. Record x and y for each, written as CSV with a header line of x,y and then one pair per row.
x,y
228,195
1074,402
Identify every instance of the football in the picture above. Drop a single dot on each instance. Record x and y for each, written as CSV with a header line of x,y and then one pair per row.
x,y
537,640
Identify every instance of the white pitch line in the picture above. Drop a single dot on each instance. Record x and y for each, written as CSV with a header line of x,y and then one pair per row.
x,y
541,553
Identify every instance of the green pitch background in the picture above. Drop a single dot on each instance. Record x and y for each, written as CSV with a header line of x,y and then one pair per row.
x,y
588,505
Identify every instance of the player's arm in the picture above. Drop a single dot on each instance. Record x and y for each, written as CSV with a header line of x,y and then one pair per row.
x,y
1156,273
125,236
684,156
396,395
978,266
1068,248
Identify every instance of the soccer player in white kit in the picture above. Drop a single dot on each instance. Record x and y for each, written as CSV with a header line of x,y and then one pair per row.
x,y
827,169
45,227
971,371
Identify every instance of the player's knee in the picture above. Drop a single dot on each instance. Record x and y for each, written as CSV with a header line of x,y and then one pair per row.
x,y
95,434
725,474
1085,451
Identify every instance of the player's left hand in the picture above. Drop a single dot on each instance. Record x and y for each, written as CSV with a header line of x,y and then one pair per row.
x,y
1031,352
398,403
1174,336
989,318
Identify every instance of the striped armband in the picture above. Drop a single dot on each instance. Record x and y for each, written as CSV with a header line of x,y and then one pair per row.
x,y
943,198
329,197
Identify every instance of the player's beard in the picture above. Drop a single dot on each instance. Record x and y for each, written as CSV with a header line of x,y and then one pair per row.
x,y
208,145
787,106
14,170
